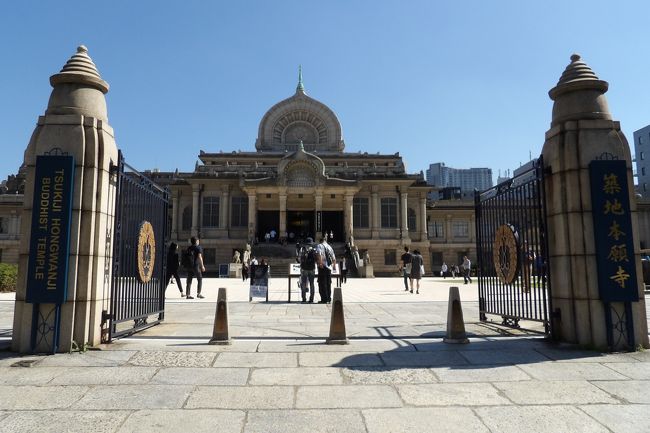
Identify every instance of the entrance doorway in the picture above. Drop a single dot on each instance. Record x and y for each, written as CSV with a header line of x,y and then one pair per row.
x,y
301,224
333,223
268,220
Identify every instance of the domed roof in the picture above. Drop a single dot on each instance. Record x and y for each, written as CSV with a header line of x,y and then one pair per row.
x,y
300,118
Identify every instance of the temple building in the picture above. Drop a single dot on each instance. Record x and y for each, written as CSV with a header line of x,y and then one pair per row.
x,y
298,183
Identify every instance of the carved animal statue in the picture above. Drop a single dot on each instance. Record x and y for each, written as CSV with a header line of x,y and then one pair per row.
x,y
235,257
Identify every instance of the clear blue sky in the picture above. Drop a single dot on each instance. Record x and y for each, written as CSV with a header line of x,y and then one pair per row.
x,y
462,82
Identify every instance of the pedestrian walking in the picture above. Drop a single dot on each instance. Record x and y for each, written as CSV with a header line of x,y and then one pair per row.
x,y
467,267
308,259
326,264
196,268
405,268
343,268
417,267
173,262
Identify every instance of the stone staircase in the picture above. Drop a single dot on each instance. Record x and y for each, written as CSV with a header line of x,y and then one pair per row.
x,y
280,256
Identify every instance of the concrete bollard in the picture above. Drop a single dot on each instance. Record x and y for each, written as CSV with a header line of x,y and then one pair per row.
x,y
455,324
220,331
337,323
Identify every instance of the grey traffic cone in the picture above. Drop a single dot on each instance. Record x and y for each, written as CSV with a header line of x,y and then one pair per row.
x,y
455,324
221,331
337,322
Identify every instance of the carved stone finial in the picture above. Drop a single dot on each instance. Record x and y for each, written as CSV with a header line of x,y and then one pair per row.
x,y
300,88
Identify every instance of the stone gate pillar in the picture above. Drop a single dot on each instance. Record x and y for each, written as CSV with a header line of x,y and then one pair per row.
x,y
75,123
582,130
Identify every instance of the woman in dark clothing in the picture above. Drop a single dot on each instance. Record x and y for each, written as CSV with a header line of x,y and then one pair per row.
x,y
417,262
172,266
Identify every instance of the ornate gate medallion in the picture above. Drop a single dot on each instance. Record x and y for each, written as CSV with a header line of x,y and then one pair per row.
x,y
146,251
505,254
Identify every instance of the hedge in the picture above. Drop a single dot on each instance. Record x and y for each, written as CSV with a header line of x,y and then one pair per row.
x,y
8,277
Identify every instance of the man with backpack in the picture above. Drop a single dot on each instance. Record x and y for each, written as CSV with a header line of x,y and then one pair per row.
x,y
326,264
193,263
307,270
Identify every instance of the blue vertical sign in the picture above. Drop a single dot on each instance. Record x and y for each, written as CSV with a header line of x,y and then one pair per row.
x,y
613,231
49,248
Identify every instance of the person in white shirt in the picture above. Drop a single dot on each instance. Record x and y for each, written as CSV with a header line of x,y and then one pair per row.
x,y
326,264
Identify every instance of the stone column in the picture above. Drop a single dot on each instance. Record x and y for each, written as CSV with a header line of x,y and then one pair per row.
x,y
252,216
404,214
283,213
196,194
423,218
448,235
76,124
224,208
582,130
318,207
375,212
174,214
348,213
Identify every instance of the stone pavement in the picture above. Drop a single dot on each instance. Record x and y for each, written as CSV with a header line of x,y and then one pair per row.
x,y
278,376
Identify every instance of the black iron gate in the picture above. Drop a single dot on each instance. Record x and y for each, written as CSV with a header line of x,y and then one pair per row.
x,y
138,281
511,242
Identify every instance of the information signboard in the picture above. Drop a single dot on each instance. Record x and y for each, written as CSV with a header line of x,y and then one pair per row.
x,y
223,270
49,247
613,231
259,276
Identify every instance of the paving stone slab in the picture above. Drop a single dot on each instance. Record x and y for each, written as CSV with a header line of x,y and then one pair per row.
x,y
242,397
172,359
388,375
201,376
135,397
104,375
296,376
641,356
423,359
339,359
50,421
179,420
234,359
423,420
377,345
632,370
39,397
571,371
483,343
554,392
535,419
301,421
7,359
481,373
499,357
634,391
627,418
186,345
570,354
347,396
451,394
91,358
28,375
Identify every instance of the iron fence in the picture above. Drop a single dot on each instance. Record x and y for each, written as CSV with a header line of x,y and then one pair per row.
x,y
512,259
140,232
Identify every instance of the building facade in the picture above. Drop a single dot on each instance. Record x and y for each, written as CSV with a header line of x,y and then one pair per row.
x,y
642,155
467,179
299,183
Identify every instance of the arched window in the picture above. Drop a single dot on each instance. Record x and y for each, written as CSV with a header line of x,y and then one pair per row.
x,y
411,220
186,223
